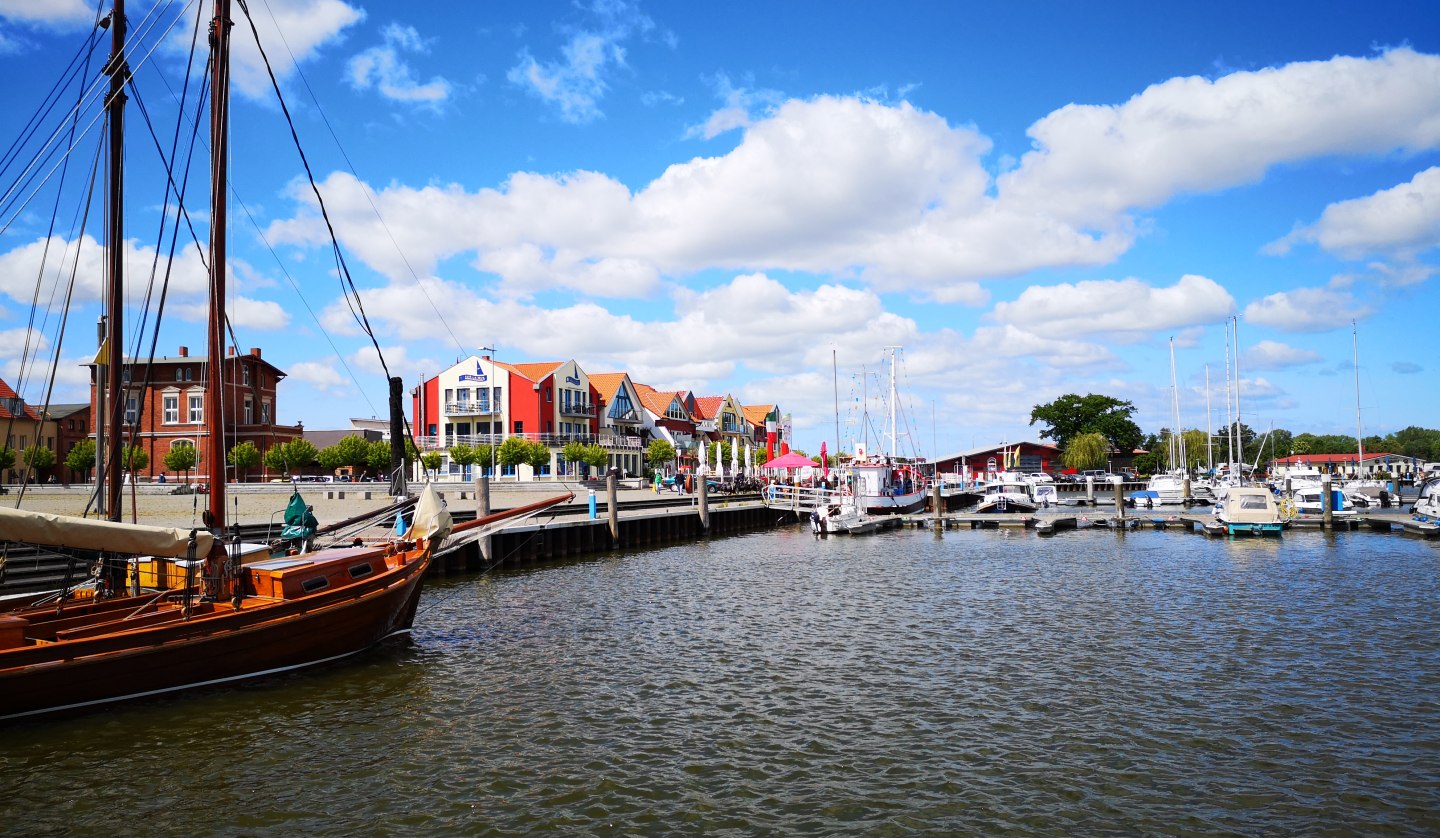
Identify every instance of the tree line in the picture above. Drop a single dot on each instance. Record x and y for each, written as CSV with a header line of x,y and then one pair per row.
x,y
1088,428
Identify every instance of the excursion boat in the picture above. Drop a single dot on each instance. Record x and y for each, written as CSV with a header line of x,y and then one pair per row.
x,y
1311,499
888,485
194,613
1007,492
1250,510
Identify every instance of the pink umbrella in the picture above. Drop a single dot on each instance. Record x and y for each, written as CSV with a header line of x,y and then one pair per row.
x,y
824,461
791,460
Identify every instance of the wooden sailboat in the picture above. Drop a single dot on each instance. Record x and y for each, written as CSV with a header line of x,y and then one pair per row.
x,y
228,621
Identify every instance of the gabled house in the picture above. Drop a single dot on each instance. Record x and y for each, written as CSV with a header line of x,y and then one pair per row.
x,y
164,400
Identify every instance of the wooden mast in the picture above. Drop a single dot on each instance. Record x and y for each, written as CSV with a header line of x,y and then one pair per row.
x,y
219,150
112,419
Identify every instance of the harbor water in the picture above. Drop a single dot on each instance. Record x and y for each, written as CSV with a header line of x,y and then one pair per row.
x,y
986,682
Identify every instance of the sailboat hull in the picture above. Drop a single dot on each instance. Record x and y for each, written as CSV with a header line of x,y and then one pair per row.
x,y
75,674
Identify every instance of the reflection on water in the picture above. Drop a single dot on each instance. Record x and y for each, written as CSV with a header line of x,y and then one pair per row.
x,y
983,681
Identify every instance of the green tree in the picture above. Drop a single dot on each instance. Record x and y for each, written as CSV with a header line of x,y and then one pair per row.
x,y
7,457
596,456
574,454
354,451
244,457
181,458
81,458
537,455
464,455
430,461
39,458
290,457
331,458
659,453
1070,415
134,458
1087,450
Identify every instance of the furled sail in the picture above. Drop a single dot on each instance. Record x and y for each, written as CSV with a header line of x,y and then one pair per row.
x,y
89,534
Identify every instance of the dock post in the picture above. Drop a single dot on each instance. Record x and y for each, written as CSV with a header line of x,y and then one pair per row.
x,y
1327,503
702,484
1090,490
613,510
482,508
1120,500
1185,491
939,505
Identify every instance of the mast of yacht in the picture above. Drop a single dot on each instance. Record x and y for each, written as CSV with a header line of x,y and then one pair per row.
x,y
894,430
1177,440
219,162
110,422
1209,430
835,384
1239,439
1359,438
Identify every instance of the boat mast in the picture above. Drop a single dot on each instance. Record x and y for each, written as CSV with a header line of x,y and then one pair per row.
x,y
1209,427
219,162
1359,439
894,431
835,383
1239,439
111,422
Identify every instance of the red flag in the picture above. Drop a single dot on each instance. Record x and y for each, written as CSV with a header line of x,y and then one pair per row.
x,y
824,461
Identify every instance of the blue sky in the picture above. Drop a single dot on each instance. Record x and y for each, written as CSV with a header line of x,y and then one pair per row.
x,y
1030,199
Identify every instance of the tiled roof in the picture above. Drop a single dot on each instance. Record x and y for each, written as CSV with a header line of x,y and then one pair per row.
x,y
607,384
709,406
534,372
6,396
756,414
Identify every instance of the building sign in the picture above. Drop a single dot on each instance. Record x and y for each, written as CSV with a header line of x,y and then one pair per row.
x,y
478,376
571,379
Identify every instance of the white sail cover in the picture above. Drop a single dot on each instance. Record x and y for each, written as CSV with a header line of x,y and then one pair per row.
x,y
432,519
89,534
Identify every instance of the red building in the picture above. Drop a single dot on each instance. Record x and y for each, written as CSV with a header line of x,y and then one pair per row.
x,y
165,406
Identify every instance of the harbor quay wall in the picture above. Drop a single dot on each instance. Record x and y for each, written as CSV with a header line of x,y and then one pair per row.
x,y
575,536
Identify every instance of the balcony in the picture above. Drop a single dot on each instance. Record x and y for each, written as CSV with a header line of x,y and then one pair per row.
x,y
470,409
611,442
586,409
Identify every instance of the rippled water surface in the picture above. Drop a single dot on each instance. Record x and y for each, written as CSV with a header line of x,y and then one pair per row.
x,y
980,682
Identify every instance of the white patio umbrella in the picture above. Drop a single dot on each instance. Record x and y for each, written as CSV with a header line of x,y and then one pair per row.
x,y
703,463
734,458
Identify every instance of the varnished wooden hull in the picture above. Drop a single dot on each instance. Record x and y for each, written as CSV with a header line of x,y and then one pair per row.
x,y
261,638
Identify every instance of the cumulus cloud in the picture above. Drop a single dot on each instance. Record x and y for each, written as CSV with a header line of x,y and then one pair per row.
x,y
1092,162
1403,220
320,377
1306,310
54,260
293,32
383,69
1406,367
1270,355
51,14
1126,309
575,83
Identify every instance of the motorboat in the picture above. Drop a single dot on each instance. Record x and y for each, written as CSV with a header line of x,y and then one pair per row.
x,y
1007,492
1250,510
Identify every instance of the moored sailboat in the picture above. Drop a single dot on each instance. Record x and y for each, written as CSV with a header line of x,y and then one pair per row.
x,y
225,620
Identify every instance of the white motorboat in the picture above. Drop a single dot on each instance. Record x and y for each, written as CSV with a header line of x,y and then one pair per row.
x,y
1007,492
1310,501
1250,510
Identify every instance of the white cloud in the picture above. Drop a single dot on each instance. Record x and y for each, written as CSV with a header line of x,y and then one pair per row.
x,y
1270,355
1094,162
1403,220
383,69
20,267
293,32
576,83
242,312
1127,309
1306,310
320,377
54,14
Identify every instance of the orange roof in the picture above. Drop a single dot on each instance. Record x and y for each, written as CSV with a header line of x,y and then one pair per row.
x,y
607,384
534,372
756,414
655,401
6,394
709,406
